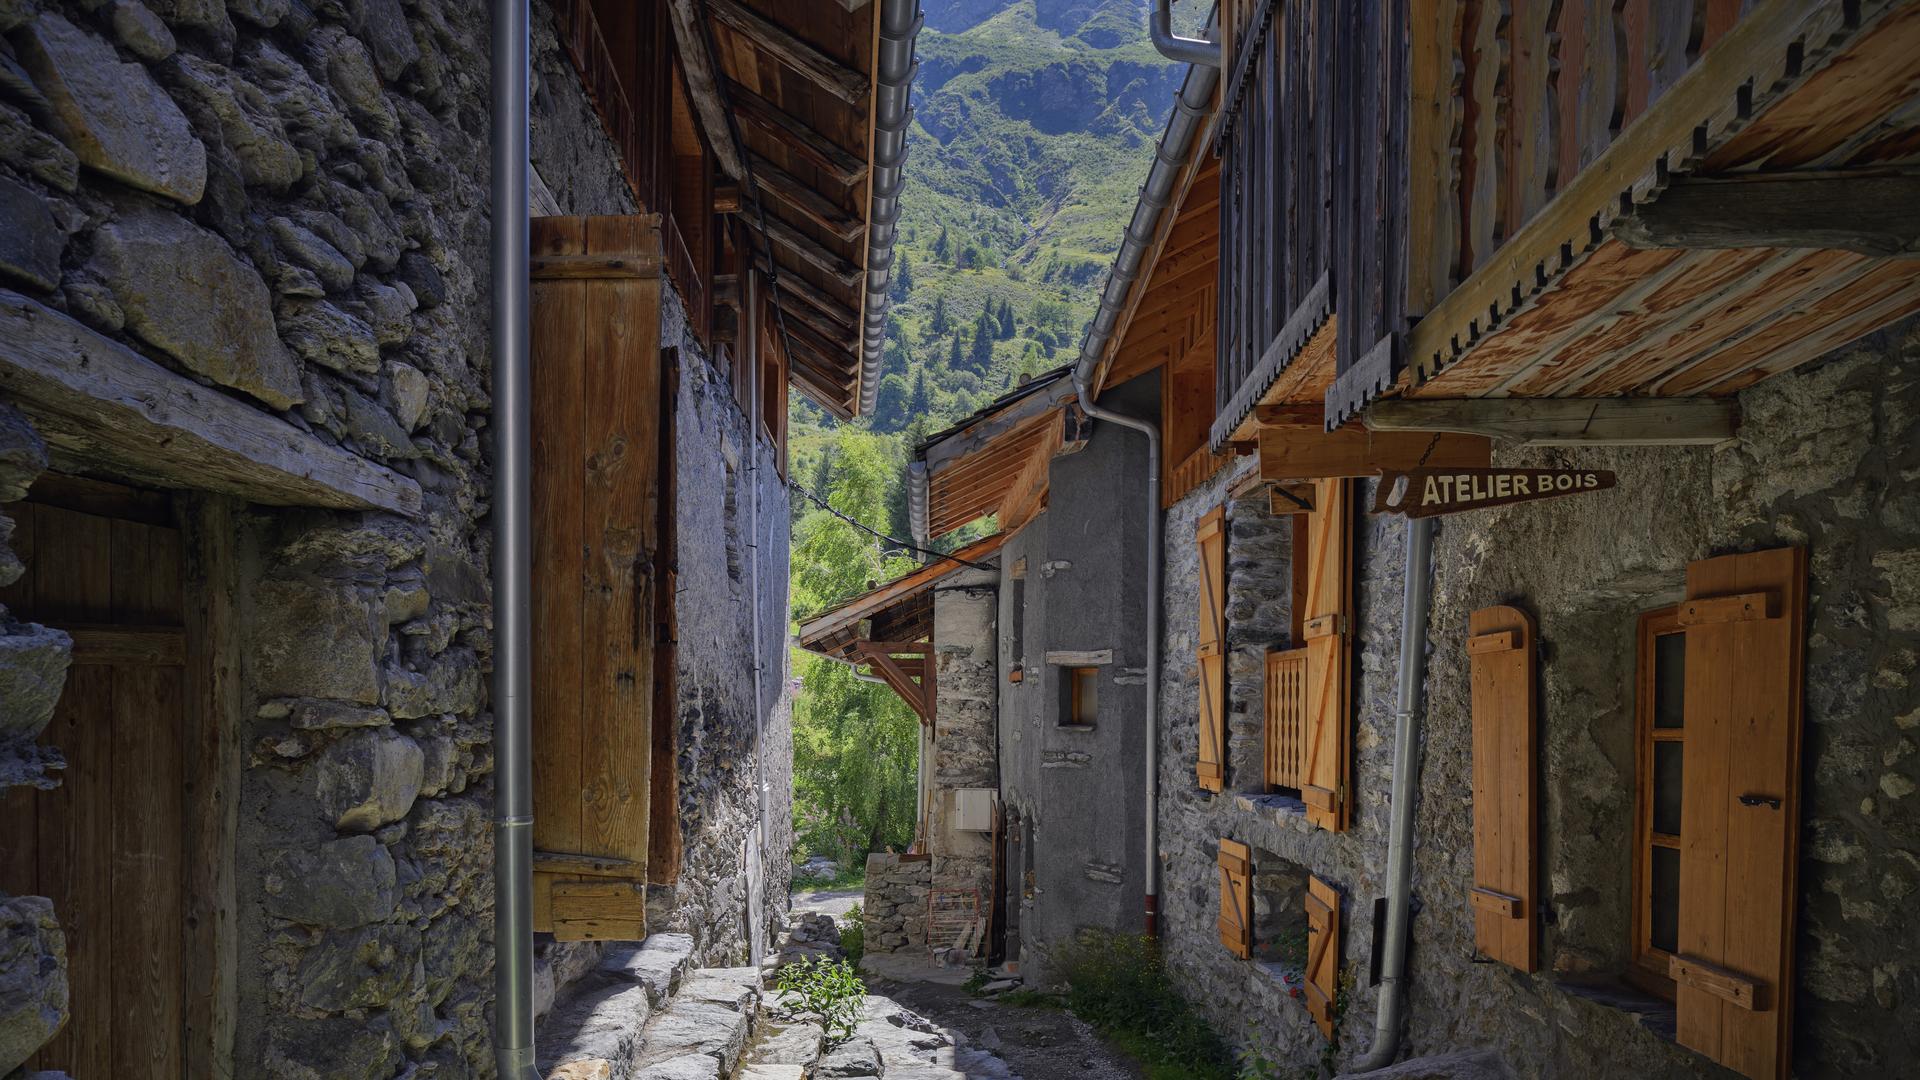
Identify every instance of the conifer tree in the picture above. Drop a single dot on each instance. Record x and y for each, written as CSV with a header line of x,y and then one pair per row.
x,y
941,245
981,356
939,325
1006,319
953,356
920,398
902,283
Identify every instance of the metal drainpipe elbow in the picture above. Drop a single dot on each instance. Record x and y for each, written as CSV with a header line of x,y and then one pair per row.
x,y
1185,50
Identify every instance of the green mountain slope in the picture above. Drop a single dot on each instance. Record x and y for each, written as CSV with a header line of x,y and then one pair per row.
x,y
1034,126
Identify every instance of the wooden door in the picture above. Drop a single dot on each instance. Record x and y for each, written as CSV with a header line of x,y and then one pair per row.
x,y
597,556
108,845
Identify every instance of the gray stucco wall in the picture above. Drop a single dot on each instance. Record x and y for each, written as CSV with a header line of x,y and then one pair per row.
x,y
1827,457
1078,791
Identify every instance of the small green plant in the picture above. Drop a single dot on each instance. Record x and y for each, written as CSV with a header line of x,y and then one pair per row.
x,y
977,981
826,989
853,935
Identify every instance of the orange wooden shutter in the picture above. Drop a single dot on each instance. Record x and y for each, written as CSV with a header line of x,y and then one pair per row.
x,y
596,457
1745,620
1500,652
1236,898
1212,539
1323,952
1327,628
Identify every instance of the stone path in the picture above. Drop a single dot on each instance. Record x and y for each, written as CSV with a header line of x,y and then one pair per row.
x,y
834,902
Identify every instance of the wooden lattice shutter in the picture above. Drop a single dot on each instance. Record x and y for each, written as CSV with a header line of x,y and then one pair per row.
x,y
1745,621
1236,898
596,459
1500,653
1323,952
1327,629
1212,539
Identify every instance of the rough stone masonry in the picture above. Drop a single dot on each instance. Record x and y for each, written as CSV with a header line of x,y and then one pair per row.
x,y
283,202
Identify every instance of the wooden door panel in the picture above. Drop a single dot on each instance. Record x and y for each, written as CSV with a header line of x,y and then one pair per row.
x,y
108,844
1745,621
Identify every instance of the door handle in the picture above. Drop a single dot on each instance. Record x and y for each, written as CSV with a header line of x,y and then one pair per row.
x,y
1760,800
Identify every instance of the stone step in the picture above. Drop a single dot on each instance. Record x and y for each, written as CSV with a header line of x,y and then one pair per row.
x,y
599,1030
658,963
710,1016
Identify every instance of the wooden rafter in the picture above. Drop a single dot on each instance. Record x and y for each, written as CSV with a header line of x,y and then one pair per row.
x,y
907,667
808,250
796,135
778,42
703,86
803,201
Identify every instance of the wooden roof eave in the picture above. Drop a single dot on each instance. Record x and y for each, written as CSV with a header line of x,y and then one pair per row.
x,y
851,612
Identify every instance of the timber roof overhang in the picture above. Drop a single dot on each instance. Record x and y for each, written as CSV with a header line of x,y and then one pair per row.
x,y
790,89
900,610
995,461
1759,214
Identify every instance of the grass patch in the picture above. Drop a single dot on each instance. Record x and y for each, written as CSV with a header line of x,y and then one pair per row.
x,y
1119,984
853,936
852,877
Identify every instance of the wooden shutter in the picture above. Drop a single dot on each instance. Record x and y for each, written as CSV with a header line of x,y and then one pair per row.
x,y
1327,629
1236,898
1323,952
1212,539
596,526
1500,653
1745,621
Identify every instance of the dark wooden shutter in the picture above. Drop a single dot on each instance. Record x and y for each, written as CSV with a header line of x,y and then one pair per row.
x,y
1323,952
1327,628
1745,620
1236,898
1500,653
1212,539
596,537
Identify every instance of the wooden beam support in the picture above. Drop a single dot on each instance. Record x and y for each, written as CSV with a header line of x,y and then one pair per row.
x,y
793,310
728,199
1309,453
810,336
100,403
811,206
799,294
1869,212
696,60
726,290
796,135
776,41
1692,421
808,250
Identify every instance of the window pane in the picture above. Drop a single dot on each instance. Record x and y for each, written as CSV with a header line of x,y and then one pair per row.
x,y
1664,927
1666,788
1669,679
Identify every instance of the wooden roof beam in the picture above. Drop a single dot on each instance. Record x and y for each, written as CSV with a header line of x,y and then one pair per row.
x,y
1865,212
948,451
1690,421
696,60
778,42
814,208
809,251
796,135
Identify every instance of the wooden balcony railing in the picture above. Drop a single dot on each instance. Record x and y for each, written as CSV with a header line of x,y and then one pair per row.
x,y
1275,142
1286,728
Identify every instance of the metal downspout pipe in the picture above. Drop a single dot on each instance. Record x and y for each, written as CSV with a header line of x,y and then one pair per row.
x,y
1190,108
512,553
893,83
1197,51
1417,594
757,869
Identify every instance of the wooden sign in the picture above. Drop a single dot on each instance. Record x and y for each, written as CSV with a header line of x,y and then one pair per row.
x,y
1430,492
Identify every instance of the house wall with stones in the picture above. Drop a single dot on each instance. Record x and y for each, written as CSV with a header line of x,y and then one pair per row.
x,y
1825,458
284,204
893,906
965,751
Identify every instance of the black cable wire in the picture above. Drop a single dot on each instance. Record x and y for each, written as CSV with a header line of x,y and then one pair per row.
x,y
816,500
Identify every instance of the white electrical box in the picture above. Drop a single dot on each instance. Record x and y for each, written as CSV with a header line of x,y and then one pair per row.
x,y
973,809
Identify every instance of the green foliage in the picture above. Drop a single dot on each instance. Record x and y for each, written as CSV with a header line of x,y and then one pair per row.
x,y
856,744
853,936
1119,984
827,990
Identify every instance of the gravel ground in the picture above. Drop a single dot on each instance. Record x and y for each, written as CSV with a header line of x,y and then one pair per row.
x,y
834,902
1040,1044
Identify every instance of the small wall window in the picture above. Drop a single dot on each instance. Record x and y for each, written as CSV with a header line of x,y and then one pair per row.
x,y
1279,914
1659,749
1079,696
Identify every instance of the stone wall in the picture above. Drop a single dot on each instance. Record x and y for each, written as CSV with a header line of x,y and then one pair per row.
x,y
1826,458
286,203
893,907
965,739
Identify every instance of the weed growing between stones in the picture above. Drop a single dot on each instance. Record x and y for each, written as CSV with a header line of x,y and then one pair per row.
x,y
826,989
1118,983
853,936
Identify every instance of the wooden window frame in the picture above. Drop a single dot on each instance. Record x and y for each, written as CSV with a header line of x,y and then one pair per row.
x,y
1648,969
1078,713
